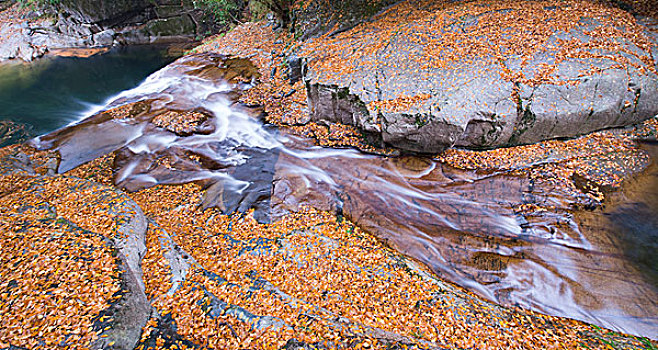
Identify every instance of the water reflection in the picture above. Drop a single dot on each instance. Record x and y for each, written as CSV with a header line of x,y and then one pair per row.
x,y
53,92
598,266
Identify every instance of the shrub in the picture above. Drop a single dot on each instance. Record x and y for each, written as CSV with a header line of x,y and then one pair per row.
x,y
224,11
36,3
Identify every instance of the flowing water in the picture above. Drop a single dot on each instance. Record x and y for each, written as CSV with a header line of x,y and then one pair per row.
x,y
598,266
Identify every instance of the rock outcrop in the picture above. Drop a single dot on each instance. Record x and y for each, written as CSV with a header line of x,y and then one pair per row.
x,y
95,242
430,75
99,23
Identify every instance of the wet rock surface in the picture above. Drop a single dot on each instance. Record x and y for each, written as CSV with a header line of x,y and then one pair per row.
x,y
513,235
500,222
170,136
424,76
214,281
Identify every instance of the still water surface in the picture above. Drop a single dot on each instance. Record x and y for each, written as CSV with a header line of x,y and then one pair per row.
x,y
53,92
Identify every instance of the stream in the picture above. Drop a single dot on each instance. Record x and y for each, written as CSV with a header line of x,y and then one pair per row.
x,y
598,266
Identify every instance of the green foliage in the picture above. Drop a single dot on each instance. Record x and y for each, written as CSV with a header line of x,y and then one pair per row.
x,y
37,3
224,11
229,11
282,9
257,10
233,11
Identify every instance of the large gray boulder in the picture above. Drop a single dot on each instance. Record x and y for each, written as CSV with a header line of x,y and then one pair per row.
x,y
100,23
493,93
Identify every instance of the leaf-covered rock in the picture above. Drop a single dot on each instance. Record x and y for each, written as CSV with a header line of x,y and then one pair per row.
x,y
428,75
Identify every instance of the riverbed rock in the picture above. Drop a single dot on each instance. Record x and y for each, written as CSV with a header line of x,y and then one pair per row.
x,y
123,309
478,75
27,34
159,20
132,310
15,43
319,17
104,38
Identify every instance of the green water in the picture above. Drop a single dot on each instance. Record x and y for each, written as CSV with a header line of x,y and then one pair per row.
x,y
54,92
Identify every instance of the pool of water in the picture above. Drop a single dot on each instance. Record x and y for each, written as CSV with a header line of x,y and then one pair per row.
x,y
56,91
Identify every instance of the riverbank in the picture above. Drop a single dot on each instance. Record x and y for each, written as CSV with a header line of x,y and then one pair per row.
x,y
285,105
29,31
584,171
